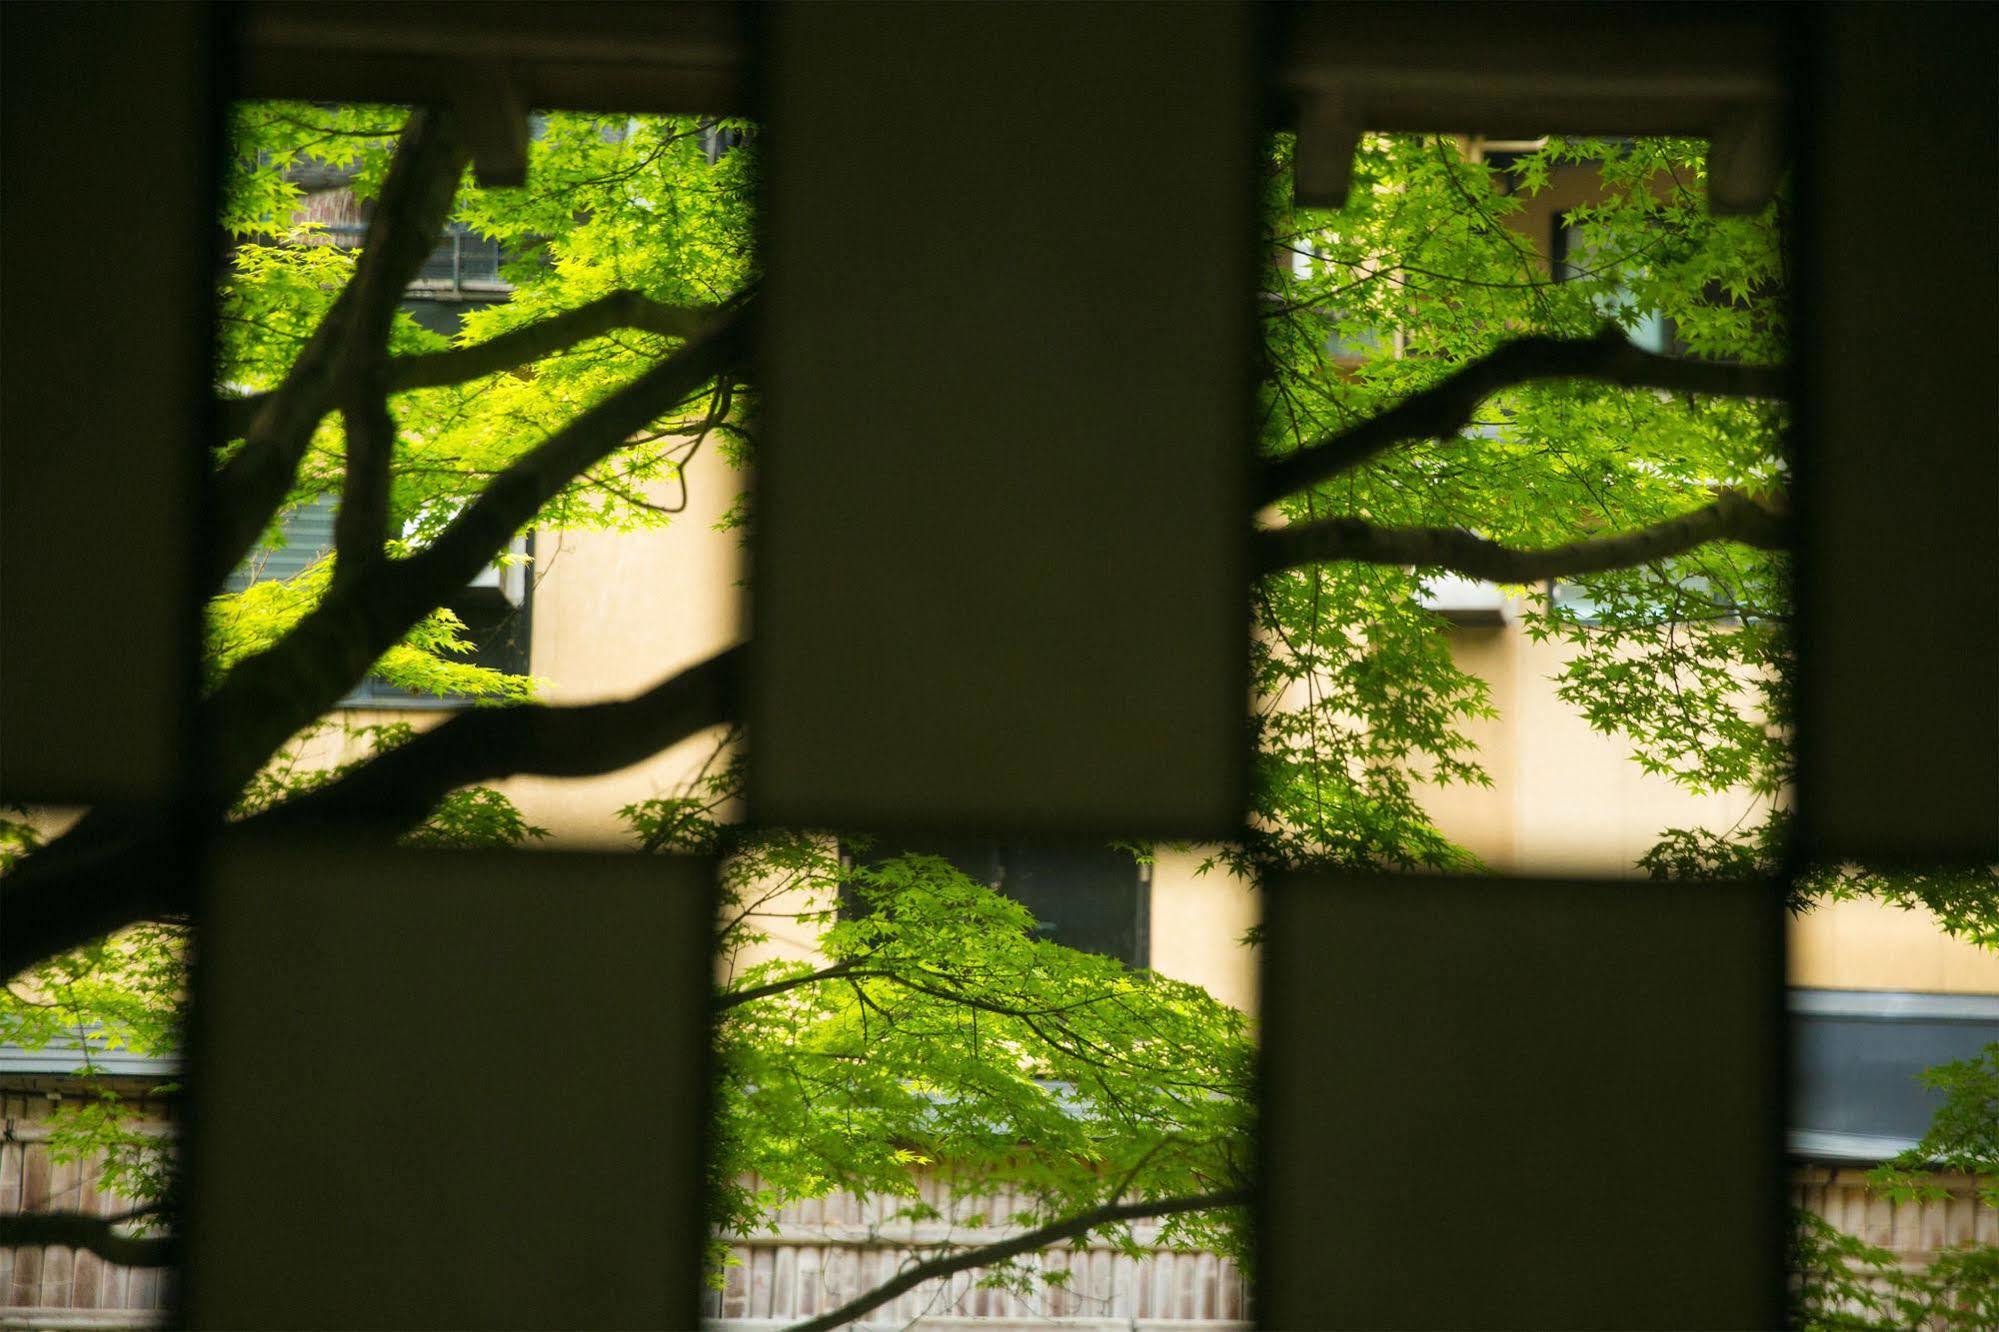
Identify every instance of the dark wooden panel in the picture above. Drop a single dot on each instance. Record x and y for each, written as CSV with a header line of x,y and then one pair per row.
x,y
1530,1104
374,1143
584,55
1898,453
104,366
1000,578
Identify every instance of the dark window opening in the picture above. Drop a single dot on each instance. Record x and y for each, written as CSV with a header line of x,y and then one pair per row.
x,y
1092,899
1857,1059
496,608
1570,256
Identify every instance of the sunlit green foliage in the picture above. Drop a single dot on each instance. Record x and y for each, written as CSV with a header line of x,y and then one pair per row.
x,y
1841,1283
1419,274
932,1029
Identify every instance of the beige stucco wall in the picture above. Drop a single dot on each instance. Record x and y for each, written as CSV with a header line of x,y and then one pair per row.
x,y
1198,924
615,612
1568,800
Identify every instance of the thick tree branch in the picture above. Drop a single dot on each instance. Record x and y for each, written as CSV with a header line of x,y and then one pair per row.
x,y
395,791
1731,517
76,1230
108,872
414,205
360,524
1443,409
267,698
1028,1242
510,350
105,872
517,494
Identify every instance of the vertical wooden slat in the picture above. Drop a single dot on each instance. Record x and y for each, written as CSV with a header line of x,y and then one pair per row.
x,y
35,1179
1898,482
97,588
736,1291
10,1177
58,1269
27,1276
85,1280
956,611
1401,1014
348,986
761,1291
144,1291
811,1282
784,1285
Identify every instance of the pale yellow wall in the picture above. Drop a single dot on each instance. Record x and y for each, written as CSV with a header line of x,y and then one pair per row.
x,y
1198,923
1567,800
616,612
1869,945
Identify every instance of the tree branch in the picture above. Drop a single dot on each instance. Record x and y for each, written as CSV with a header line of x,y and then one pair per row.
x,y
508,351
396,790
1028,1242
360,524
1731,517
415,203
266,698
517,494
77,1230
728,999
1443,409
107,872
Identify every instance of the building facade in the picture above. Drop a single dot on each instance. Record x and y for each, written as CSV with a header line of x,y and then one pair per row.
x,y
1878,993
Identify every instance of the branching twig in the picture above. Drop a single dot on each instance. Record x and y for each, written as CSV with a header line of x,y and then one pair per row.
x,y
508,351
1028,1242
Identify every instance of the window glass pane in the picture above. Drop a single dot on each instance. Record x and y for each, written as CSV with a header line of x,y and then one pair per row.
x,y
1094,900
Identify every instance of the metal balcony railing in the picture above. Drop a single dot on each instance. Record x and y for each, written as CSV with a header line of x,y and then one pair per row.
x,y
463,262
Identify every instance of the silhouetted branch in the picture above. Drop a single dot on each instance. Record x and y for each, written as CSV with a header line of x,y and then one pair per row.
x,y
76,1230
415,202
107,870
266,698
510,350
394,791
1444,408
1731,517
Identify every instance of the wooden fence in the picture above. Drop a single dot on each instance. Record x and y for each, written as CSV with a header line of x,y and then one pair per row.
x,y
825,1251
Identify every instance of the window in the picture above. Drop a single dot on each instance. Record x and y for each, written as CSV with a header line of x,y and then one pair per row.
x,y
1855,1059
461,274
1572,256
1093,899
495,607
717,140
